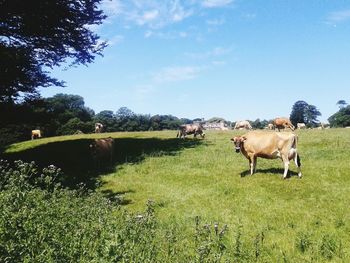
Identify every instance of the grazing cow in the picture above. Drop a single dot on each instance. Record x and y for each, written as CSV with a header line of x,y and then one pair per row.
x,y
36,134
98,127
324,125
78,132
187,129
283,123
301,125
269,145
102,151
243,125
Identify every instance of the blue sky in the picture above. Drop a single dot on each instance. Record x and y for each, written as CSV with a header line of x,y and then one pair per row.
x,y
235,59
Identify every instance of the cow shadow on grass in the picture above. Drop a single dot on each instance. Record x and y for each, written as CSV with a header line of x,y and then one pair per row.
x,y
278,171
78,166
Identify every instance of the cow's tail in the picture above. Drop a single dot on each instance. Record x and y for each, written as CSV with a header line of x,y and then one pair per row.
x,y
296,154
298,162
293,153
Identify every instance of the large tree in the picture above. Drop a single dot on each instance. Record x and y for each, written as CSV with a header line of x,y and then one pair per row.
x,y
302,112
36,36
340,118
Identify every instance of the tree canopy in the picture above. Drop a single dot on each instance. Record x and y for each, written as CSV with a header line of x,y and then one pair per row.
x,y
36,36
340,118
302,112
341,103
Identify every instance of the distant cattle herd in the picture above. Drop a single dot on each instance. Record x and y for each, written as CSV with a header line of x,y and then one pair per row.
x,y
254,144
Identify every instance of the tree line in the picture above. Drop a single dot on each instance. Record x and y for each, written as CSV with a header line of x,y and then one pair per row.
x,y
65,114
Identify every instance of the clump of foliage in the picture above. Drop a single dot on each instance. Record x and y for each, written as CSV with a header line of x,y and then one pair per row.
x,y
41,35
302,112
340,118
42,222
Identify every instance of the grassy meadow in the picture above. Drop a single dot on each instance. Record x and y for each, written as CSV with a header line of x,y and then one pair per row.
x,y
268,219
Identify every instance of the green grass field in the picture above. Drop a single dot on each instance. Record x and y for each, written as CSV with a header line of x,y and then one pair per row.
x,y
296,220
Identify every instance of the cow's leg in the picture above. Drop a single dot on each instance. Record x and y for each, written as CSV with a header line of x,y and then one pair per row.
x,y
298,164
286,166
252,163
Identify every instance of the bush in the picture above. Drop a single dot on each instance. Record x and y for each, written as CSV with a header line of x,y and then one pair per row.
x,y
42,222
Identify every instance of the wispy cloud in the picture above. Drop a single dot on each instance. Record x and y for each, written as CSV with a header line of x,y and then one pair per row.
x,y
215,52
150,13
157,14
339,16
172,74
166,35
216,3
115,40
215,22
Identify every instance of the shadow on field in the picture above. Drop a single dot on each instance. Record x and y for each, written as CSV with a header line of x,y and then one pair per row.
x,y
117,197
278,171
75,160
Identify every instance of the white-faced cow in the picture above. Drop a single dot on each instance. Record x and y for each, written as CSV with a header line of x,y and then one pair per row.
x,y
102,151
36,134
269,145
301,125
243,125
283,123
98,127
187,129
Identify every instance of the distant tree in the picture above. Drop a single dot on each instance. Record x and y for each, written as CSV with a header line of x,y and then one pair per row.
x,y
340,118
298,112
259,124
341,104
36,36
186,121
310,116
302,112
164,122
67,106
73,125
124,113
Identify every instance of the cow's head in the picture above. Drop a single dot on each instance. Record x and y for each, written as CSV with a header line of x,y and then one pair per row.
x,y
289,125
238,142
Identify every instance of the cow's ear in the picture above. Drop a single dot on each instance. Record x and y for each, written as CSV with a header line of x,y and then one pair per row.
x,y
233,139
244,138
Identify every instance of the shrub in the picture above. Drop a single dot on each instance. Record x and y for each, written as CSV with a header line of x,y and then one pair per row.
x,y
42,222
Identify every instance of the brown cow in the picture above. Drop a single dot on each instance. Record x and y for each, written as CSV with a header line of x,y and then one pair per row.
x,y
36,134
187,129
269,145
102,151
283,123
